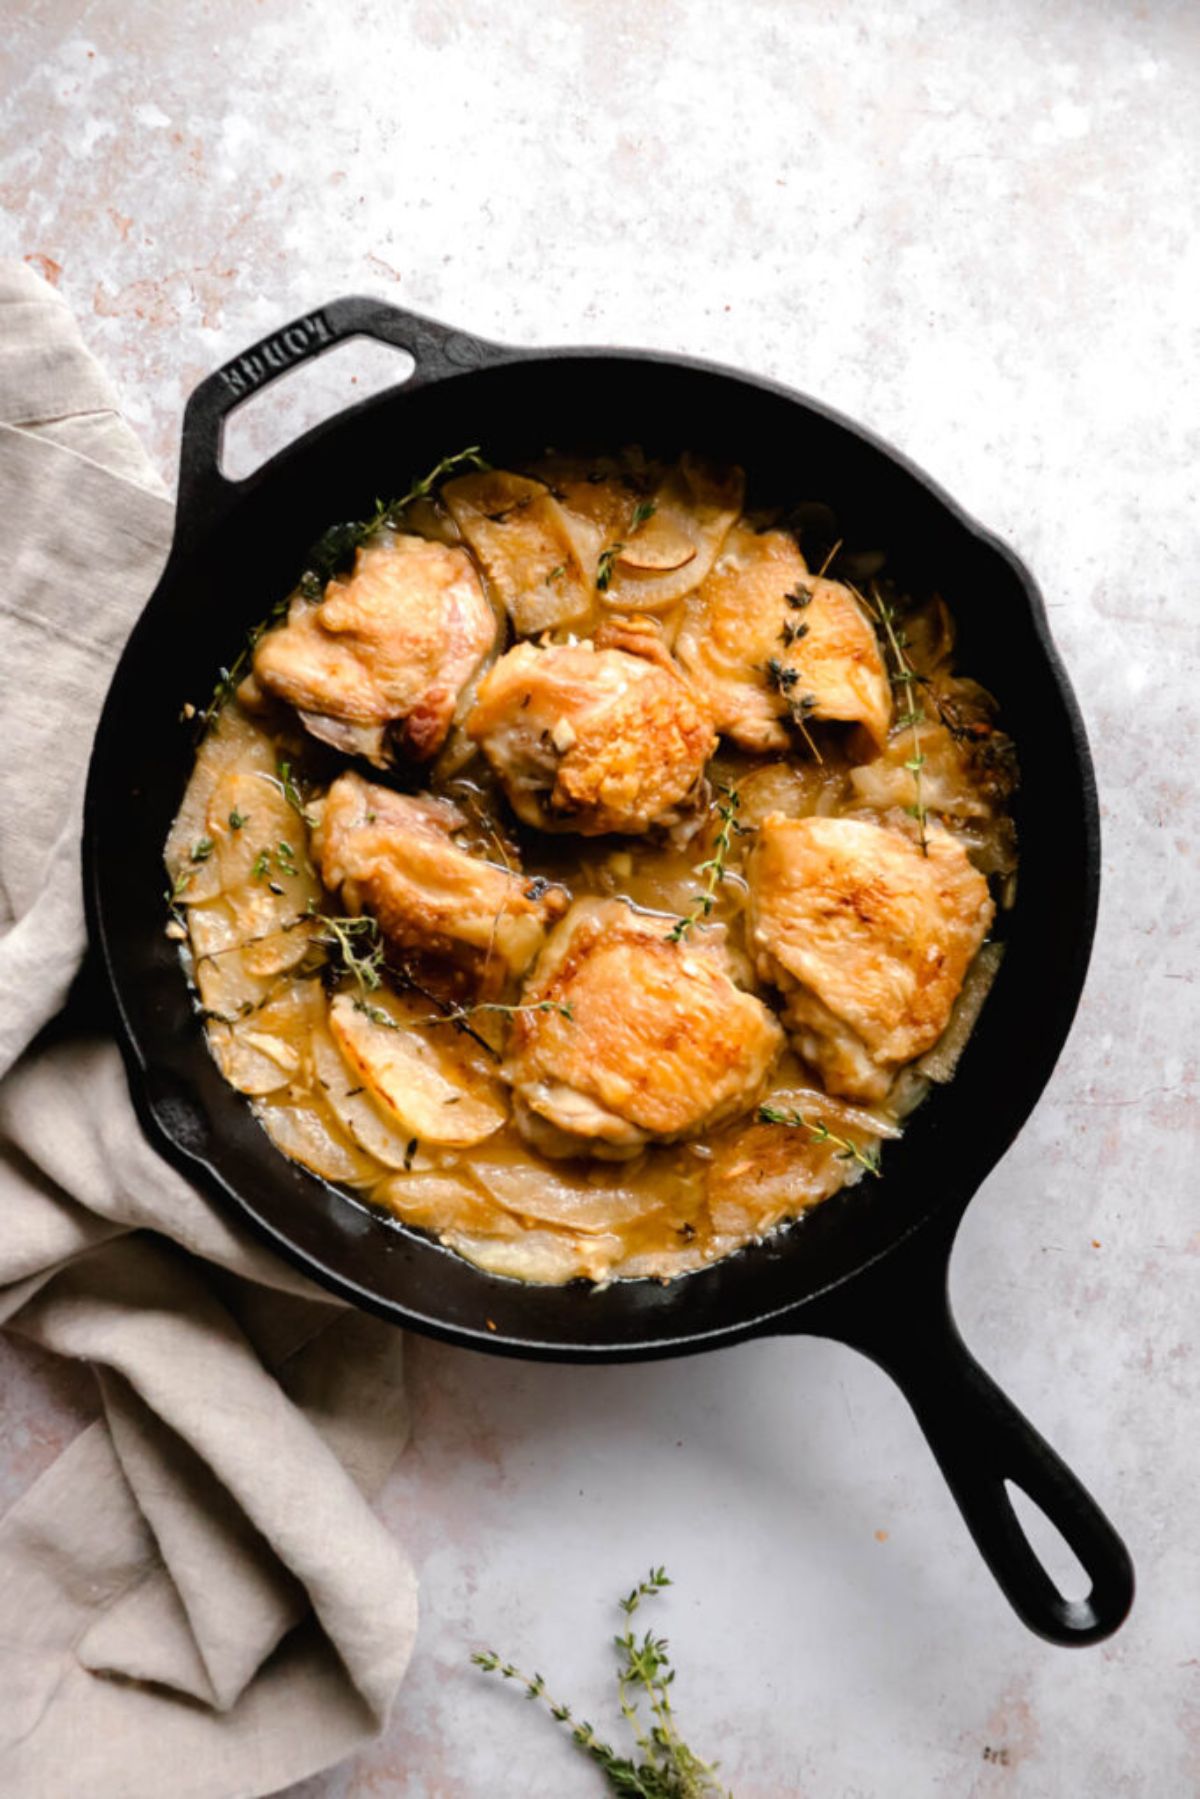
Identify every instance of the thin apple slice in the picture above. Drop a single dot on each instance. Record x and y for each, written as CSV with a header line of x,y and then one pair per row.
x,y
355,1109
427,1088
657,547
307,1135
518,532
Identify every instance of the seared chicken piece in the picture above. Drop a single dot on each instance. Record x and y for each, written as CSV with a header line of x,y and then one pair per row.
x,y
525,547
867,939
385,655
594,737
641,1038
763,637
394,855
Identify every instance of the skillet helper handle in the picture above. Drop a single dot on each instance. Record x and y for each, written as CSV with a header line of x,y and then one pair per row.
x,y
981,1441
436,350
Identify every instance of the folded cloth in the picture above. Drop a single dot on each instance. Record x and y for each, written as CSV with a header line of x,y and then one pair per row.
x,y
196,1599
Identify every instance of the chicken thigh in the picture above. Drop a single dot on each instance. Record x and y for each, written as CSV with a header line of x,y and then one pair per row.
x,y
630,1037
764,641
594,737
383,657
867,939
394,855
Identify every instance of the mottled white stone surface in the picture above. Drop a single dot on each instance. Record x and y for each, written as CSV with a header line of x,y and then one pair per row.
x,y
973,226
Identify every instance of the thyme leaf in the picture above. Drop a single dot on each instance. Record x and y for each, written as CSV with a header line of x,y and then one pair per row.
x,y
387,512
818,1132
199,852
460,1015
662,1766
713,870
285,782
604,568
800,706
357,947
905,682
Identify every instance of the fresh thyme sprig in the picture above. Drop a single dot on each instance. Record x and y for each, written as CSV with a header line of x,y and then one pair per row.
x,y
359,951
199,852
714,869
357,944
388,511
604,568
801,706
668,1769
285,782
460,1015
905,679
847,1150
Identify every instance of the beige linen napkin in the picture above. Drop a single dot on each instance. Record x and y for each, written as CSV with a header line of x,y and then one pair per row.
x,y
196,1599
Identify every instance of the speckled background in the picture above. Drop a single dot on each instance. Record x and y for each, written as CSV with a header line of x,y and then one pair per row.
x,y
974,226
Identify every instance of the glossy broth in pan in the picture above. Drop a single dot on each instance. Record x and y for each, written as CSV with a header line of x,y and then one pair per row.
x,y
588,870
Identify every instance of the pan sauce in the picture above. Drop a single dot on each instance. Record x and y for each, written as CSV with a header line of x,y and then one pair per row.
x,y
357,1080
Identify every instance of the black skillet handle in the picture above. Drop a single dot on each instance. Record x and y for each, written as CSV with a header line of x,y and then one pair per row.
x,y
436,350
898,1313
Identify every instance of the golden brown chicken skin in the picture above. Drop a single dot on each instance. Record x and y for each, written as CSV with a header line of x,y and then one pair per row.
x,y
763,638
595,738
395,855
633,1037
379,663
867,939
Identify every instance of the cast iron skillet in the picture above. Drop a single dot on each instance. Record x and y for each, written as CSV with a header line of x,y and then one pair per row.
x,y
868,1268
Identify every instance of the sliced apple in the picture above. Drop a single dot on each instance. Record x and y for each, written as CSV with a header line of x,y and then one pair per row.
x,y
591,1206
657,547
354,1108
254,1064
427,1088
520,536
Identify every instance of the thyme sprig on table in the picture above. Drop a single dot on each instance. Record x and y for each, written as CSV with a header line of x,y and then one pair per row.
x,y
906,681
818,1132
667,1768
333,550
714,870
